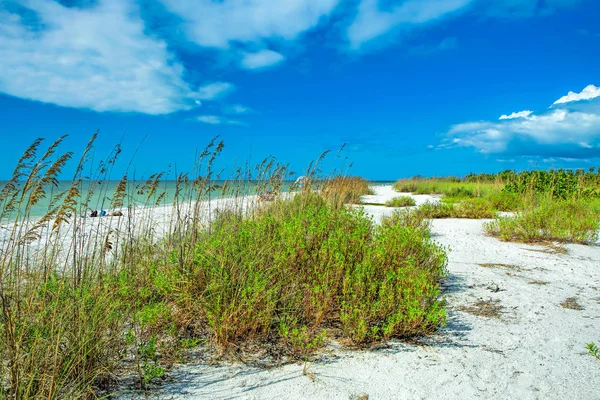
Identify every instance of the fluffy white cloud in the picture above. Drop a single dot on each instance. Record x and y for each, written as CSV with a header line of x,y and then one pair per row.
x,y
218,23
553,132
262,59
590,92
520,114
217,120
98,58
372,22
214,90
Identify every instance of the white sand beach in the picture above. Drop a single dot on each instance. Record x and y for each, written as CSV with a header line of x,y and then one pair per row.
x,y
534,350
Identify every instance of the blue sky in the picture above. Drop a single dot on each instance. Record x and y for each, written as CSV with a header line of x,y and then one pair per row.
x,y
430,87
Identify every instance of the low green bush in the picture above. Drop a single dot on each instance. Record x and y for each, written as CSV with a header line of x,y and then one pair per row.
x,y
401,201
505,201
467,208
573,221
411,218
303,264
474,209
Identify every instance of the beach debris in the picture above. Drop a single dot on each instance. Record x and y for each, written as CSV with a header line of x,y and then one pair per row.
x,y
494,288
301,181
484,308
550,248
571,303
536,282
268,196
500,265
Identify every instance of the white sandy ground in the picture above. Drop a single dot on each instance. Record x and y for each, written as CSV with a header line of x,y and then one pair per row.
x,y
536,350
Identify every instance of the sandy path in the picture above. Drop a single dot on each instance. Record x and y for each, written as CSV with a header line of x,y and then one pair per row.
x,y
535,350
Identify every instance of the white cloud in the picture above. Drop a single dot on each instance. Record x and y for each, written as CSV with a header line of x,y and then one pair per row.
x,y
372,22
590,92
520,114
214,90
552,132
98,58
217,120
262,59
238,109
219,23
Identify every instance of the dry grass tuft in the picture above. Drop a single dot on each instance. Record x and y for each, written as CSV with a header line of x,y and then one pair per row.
x,y
571,303
484,308
341,190
536,282
499,265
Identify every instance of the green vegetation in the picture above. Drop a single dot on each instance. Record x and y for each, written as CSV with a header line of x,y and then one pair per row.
x,y
401,201
573,221
77,308
448,187
558,205
341,190
469,208
593,349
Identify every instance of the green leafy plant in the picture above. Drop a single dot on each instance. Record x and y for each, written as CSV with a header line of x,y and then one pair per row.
x,y
401,201
593,350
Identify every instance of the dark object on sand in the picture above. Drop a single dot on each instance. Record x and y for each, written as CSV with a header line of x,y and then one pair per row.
x,y
94,214
269,196
117,214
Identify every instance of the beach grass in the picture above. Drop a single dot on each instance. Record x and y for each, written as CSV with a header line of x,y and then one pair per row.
x,y
85,300
449,187
570,221
401,201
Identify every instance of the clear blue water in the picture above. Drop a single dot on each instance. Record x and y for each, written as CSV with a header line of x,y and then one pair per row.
x,y
101,194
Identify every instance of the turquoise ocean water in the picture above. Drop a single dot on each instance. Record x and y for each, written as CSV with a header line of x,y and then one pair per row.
x,y
101,193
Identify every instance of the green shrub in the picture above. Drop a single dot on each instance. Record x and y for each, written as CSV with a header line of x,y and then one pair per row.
x,y
401,201
551,220
302,263
394,291
505,201
474,209
411,218
436,210
467,208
